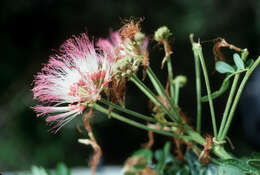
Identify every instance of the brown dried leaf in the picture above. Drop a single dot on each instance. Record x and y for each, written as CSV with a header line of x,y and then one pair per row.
x,y
150,142
204,156
97,149
168,52
221,42
148,171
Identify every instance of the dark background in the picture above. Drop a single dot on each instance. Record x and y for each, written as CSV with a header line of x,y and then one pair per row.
x,y
30,29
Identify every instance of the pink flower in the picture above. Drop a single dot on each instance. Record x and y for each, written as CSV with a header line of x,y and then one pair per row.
x,y
115,47
112,46
72,79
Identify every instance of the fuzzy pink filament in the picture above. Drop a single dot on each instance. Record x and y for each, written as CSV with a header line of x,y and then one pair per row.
x,y
72,79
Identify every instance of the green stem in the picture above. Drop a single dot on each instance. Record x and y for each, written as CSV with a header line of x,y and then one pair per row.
x,y
151,96
228,105
220,151
162,92
239,92
144,89
134,123
198,91
176,94
211,106
195,136
224,86
158,86
198,52
170,74
192,135
133,113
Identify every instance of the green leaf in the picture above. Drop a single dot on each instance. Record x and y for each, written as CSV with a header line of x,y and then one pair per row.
x,y
145,153
167,148
196,168
244,54
223,67
238,61
140,167
130,173
220,91
160,158
61,169
243,164
228,170
249,63
158,155
38,171
163,157
253,161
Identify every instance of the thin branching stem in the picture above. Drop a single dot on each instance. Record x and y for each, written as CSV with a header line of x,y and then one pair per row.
x,y
211,105
198,48
158,86
198,83
228,105
170,74
176,94
198,92
237,97
162,92
128,111
136,124
153,97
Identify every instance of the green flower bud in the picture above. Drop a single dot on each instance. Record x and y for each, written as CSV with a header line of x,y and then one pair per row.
x,y
181,80
139,37
163,33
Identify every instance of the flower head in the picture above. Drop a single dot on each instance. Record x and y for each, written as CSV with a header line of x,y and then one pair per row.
x,y
163,33
127,48
72,79
126,53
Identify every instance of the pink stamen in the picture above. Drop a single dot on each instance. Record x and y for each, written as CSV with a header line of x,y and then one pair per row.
x,y
103,74
53,85
54,118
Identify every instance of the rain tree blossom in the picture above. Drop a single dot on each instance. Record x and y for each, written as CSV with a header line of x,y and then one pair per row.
x,y
76,75
71,80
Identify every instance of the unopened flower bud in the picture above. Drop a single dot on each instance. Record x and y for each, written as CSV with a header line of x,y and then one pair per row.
x,y
181,80
139,37
163,33
128,71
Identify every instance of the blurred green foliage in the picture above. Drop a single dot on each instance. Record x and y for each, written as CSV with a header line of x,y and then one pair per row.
x,y
61,169
31,29
166,164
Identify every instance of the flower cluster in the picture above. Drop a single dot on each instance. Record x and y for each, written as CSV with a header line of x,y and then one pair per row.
x,y
76,76
128,51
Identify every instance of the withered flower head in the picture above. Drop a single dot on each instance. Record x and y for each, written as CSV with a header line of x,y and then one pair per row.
x,y
130,28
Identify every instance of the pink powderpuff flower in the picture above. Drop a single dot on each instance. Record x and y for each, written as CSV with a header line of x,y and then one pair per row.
x,y
72,79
